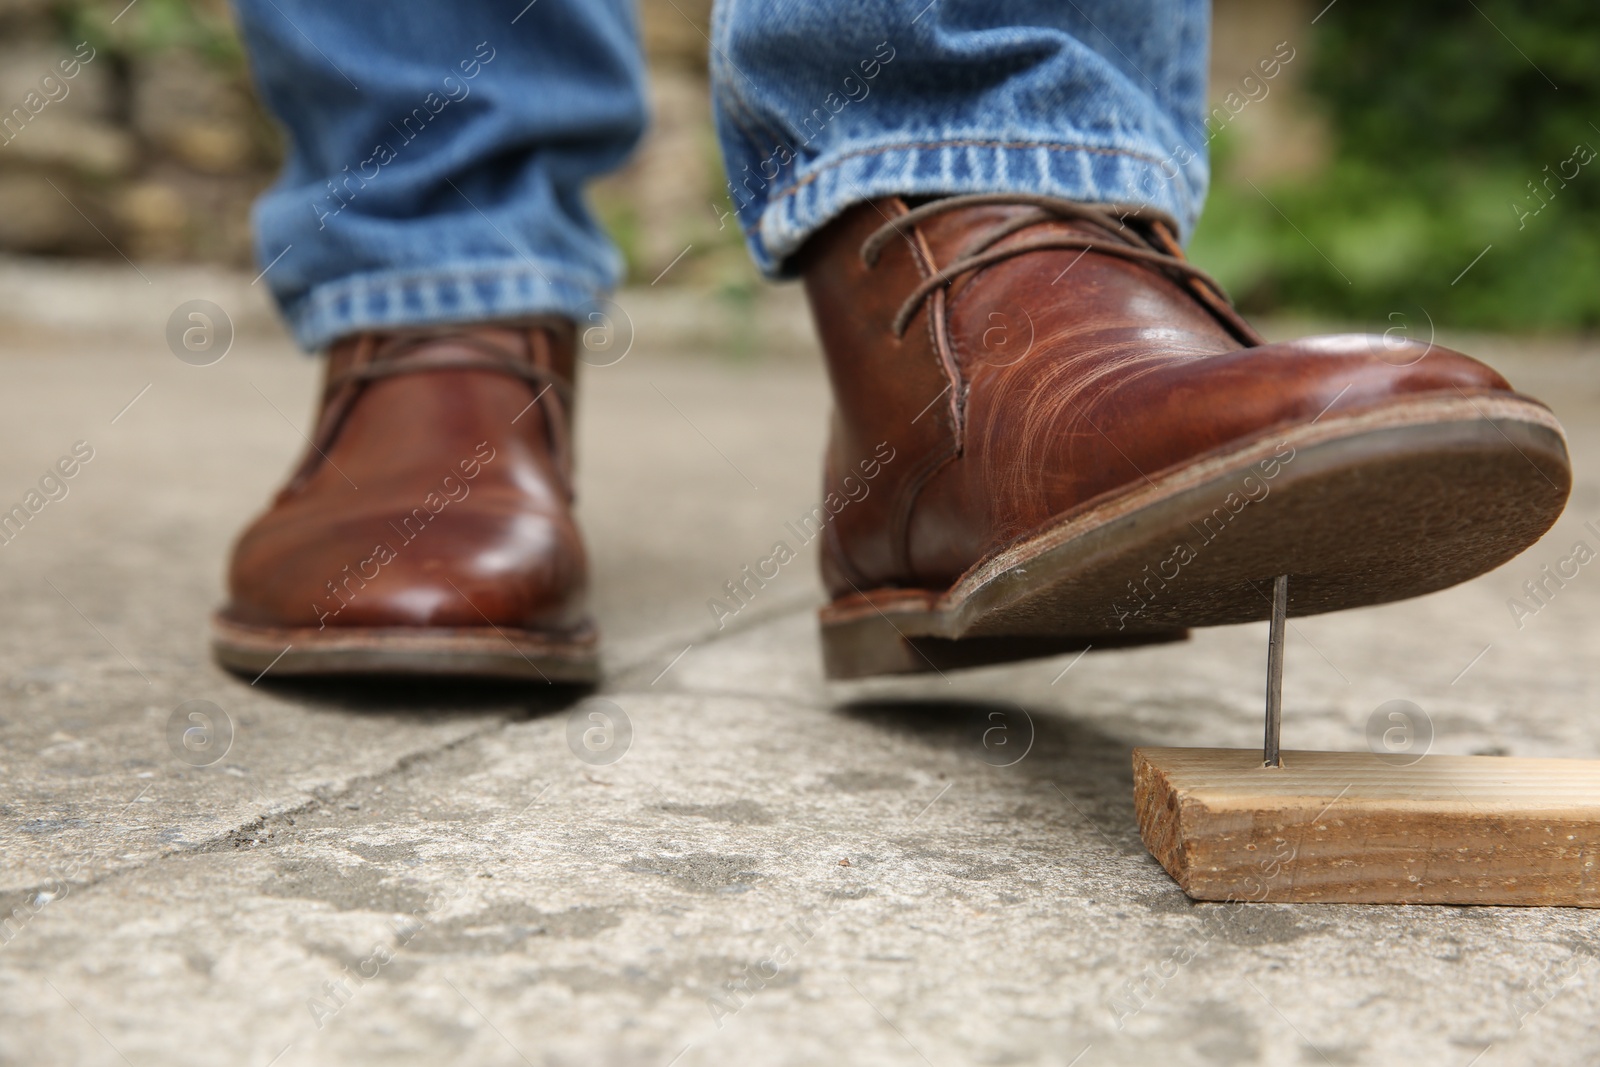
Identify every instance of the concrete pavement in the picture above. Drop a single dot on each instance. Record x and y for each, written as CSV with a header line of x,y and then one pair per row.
x,y
774,870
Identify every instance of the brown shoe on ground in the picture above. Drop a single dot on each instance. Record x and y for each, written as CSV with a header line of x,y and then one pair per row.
x,y
429,528
1072,439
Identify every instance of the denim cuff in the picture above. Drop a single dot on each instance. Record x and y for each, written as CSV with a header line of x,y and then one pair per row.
x,y
515,288
1080,172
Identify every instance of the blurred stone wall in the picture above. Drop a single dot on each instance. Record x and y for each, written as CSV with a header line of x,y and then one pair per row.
x,y
1277,131
670,196
136,134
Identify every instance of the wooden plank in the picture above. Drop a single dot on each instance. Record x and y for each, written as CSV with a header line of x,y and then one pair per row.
x,y
1348,827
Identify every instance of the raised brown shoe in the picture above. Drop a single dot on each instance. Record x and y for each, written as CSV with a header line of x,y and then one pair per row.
x,y
429,528
1068,437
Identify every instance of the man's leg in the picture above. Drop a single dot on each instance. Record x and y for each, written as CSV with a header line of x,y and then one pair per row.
x,y
429,232
833,103
1072,438
437,157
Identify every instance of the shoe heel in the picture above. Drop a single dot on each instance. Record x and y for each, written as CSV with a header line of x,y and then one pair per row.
x,y
870,645
866,646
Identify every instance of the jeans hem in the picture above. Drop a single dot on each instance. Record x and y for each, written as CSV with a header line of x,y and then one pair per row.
x,y
1082,172
394,299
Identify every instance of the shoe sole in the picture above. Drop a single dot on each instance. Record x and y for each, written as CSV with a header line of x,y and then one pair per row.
x,y
473,652
1374,507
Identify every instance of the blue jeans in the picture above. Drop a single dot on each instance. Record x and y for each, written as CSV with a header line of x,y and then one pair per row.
x,y
438,154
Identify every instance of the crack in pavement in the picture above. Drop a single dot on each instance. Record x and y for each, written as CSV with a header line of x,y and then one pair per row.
x,y
250,830
231,838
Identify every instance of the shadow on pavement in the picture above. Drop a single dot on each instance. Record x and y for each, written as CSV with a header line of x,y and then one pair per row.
x,y
429,697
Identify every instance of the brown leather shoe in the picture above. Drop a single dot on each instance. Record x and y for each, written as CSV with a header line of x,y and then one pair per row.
x,y
428,529
1053,432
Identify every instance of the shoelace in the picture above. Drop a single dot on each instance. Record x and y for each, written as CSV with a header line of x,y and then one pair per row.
x,y
1152,244
386,358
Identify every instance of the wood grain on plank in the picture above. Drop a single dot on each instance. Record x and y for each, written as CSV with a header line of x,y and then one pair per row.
x,y
1349,827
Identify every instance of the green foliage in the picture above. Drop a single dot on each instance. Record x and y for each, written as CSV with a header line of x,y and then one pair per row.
x,y
1443,129
151,27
